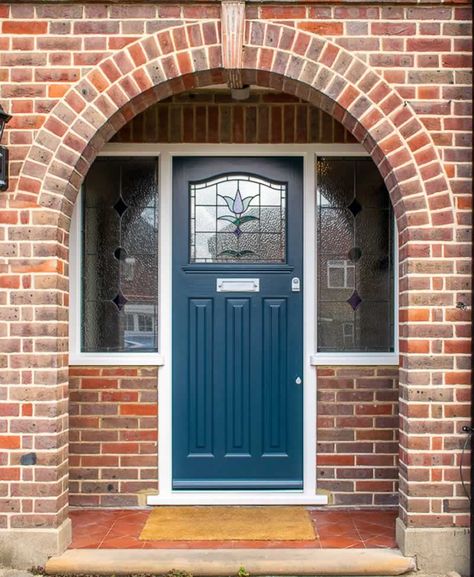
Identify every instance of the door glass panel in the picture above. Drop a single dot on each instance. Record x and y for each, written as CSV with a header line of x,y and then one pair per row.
x,y
238,218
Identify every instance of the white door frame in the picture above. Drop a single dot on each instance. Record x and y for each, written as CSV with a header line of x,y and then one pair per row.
x,y
165,153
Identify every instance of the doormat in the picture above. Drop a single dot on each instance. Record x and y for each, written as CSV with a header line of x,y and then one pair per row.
x,y
228,524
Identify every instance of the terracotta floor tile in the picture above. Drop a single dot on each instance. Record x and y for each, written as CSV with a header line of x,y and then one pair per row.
x,y
122,542
381,541
336,530
121,528
341,543
84,542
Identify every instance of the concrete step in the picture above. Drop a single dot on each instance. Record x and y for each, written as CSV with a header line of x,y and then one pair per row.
x,y
225,562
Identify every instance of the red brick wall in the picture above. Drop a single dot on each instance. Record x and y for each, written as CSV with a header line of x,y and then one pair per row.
x,y
214,117
422,51
113,438
357,434
397,76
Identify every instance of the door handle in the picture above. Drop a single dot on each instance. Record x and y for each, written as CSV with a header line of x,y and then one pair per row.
x,y
298,380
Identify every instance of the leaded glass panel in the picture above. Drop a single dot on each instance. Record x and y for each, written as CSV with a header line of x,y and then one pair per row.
x,y
355,257
119,256
237,218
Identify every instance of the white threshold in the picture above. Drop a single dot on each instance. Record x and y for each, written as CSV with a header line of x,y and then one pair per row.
x,y
234,498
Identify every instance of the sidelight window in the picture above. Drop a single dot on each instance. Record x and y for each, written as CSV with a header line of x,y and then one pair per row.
x,y
355,247
119,268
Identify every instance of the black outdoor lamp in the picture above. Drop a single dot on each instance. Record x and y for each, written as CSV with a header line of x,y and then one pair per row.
x,y
4,118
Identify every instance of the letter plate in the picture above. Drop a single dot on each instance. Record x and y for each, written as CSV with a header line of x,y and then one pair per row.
x,y
239,285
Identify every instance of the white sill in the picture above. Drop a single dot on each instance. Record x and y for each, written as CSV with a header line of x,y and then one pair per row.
x,y
116,359
358,359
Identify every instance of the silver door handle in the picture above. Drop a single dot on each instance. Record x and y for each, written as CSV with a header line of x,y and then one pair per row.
x,y
298,380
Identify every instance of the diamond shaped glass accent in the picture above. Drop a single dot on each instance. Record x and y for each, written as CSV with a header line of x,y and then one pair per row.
x,y
120,253
119,300
354,300
120,206
355,207
354,254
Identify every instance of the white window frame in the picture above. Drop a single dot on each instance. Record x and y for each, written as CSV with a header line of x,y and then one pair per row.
x,y
165,154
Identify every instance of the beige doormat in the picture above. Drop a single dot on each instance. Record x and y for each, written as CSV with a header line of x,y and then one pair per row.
x,y
228,524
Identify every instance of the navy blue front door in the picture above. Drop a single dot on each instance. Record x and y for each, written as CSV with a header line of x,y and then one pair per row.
x,y
237,323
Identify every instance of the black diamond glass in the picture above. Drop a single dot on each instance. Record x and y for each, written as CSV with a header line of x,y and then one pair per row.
x,y
354,300
120,300
120,206
355,207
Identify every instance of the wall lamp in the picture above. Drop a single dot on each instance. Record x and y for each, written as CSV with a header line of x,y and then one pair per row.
x,y
4,119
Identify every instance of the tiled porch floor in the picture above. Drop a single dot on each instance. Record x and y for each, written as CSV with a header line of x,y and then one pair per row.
x,y
120,529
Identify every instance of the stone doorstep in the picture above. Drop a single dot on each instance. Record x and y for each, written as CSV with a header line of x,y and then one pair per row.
x,y
225,562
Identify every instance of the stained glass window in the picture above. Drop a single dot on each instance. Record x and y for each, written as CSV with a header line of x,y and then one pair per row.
x,y
355,233
119,256
238,218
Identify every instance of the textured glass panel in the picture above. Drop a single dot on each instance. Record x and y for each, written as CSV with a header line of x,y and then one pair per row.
x,y
101,225
373,334
237,217
138,182
355,257
336,231
373,231
139,230
93,288
333,321
373,278
206,219
119,257
335,182
105,180
371,190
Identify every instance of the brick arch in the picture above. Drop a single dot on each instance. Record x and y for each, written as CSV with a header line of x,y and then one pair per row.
x,y
276,56
188,56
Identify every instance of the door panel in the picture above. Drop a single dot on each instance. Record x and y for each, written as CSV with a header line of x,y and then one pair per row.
x,y
237,382
199,395
237,411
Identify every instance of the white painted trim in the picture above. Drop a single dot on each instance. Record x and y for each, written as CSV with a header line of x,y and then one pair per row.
x,y
115,359
75,266
236,498
309,322
165,375
144,149
165,153
355,359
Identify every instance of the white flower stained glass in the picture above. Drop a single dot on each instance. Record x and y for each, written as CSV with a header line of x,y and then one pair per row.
x,y
238,218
